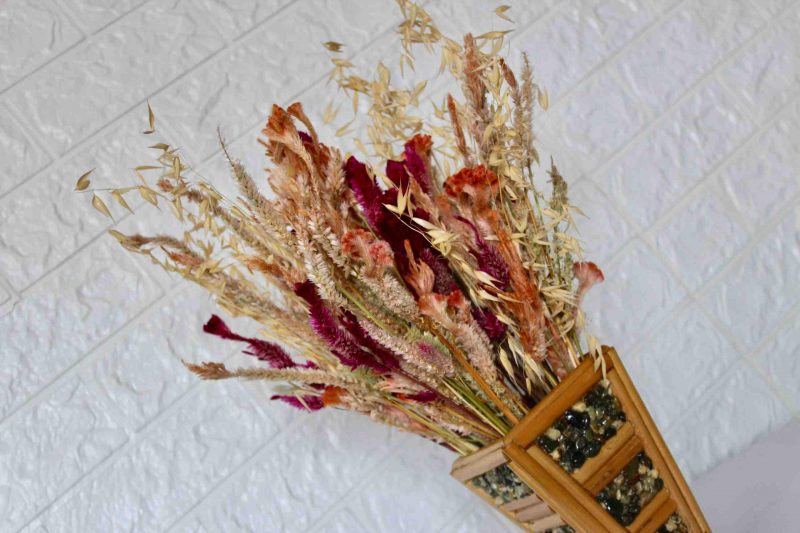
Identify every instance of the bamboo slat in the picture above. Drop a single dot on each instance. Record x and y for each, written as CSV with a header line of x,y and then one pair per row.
x,y
522,503
614,465
566,497
566,393
656,447
466,468
534,512
509,515
610,448
654,513
538,526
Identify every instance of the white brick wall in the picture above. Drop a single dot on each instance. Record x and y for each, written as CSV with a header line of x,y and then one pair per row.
x,y
675,121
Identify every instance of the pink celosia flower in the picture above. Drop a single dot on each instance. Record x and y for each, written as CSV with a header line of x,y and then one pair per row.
x,y
361,244
355,241
381,254
420,275
434,305
588,275
435,358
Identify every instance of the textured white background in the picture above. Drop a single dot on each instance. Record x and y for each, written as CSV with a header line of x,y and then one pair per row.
x,y
676,122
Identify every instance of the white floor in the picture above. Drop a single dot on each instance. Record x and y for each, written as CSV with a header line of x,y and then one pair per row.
x,y
676,123
758,490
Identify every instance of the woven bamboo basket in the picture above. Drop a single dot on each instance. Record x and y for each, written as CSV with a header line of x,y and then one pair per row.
x,y
542,489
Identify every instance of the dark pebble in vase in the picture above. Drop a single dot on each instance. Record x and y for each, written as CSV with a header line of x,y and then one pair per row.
x,y
578,459
546,443
627,519
572,460
614,507
592,448
576,419
631,469
592,398
583,429
579,444
645,460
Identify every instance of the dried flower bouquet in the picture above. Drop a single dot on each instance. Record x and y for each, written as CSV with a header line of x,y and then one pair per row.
x,y
436,289
438,293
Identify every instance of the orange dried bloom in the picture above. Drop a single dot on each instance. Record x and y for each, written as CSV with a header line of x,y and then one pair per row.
x,y
332,396
457,302
258,264
471,181
278,123
185,259
422,144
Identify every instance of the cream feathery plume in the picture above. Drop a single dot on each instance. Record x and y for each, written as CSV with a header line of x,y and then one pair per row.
x,y
393,295
432,361
213,370
319,272
477,347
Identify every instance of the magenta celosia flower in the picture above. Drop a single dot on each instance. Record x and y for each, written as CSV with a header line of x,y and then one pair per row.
x,y
269,352
422,397
383,354
412,166
341,342
309,403
362,244
367,193
489,259
388,226
489,323
416,167
444,282
397,174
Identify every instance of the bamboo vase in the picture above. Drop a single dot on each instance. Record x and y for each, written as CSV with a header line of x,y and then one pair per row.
x,y
544,482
